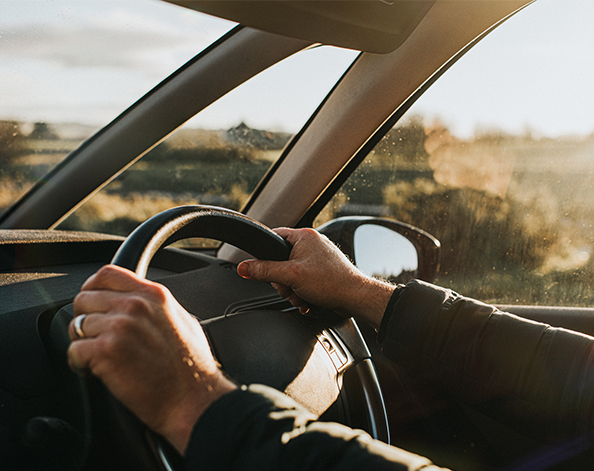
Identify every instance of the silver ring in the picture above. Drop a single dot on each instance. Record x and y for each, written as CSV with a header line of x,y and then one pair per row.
x,y
78,330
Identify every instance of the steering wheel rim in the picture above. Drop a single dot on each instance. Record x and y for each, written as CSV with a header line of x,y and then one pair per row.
x,y
136,253
232,227
183,222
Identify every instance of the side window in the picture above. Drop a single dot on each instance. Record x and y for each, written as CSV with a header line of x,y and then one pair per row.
x,y
513,205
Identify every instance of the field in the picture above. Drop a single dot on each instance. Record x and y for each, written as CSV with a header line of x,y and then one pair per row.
x,y
514,213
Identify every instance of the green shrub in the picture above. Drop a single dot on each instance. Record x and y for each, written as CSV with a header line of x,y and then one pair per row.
x,y
11,142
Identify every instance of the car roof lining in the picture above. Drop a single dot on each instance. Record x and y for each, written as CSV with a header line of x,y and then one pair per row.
x,y
366,25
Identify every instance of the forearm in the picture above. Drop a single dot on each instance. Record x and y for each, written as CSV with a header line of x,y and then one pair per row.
x,y
368,301
537,378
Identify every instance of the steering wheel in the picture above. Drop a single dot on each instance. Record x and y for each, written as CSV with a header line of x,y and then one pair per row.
x,y
300,338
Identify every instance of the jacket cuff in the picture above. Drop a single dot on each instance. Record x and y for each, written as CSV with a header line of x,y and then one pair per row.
x,y
390,308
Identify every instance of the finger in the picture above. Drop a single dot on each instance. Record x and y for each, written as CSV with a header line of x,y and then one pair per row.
x,y
112,277
96,301
105,301
243,269
284,232
107,340
295,235
297,302
91,326
283,291
79,355
73,332
265,270
290,235
290,296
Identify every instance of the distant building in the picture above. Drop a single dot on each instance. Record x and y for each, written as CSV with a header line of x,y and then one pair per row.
x,y
43,131
243,135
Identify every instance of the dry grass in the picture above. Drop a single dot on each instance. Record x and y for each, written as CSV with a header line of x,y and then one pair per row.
x,y
138,207
484,198
11,190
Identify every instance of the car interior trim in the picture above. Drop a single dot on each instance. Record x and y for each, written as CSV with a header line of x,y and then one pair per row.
x,y
341,177
289,147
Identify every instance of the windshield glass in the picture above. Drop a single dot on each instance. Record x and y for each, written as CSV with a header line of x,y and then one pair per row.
x,y
219,157
67,68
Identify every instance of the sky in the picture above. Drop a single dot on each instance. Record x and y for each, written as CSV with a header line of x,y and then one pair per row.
x,y
534,71
85,61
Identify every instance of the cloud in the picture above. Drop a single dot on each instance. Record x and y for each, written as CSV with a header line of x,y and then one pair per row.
x,y
118,37
88,60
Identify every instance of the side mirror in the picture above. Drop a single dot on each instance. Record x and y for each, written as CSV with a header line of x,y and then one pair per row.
x,y
386,248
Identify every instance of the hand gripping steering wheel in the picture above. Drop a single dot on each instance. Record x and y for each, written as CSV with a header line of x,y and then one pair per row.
x,y
234,228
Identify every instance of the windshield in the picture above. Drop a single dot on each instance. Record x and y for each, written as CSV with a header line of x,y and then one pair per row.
x,y
219,157
67,68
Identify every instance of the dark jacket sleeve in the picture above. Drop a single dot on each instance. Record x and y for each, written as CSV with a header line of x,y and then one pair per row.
x,y
258,428
534,377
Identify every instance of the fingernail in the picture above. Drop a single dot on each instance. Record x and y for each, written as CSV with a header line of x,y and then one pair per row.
x,y
243,269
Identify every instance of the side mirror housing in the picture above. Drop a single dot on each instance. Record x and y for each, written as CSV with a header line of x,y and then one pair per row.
x,y
386,248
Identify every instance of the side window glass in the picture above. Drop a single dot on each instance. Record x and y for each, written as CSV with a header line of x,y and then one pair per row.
x,y
512,203
514,213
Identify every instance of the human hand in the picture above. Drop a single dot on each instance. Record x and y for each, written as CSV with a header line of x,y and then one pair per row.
x,y
148,350
318,273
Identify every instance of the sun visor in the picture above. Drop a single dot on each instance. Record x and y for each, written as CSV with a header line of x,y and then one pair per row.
x,y
369,25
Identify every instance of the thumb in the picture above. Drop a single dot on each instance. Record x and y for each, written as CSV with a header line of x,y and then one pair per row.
x,y
261,270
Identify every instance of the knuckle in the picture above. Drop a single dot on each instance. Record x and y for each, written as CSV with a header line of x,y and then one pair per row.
x,y
105,355
79,301
104,273
121,326
134,305
309,232
109,348
157,292
105,346
259,271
